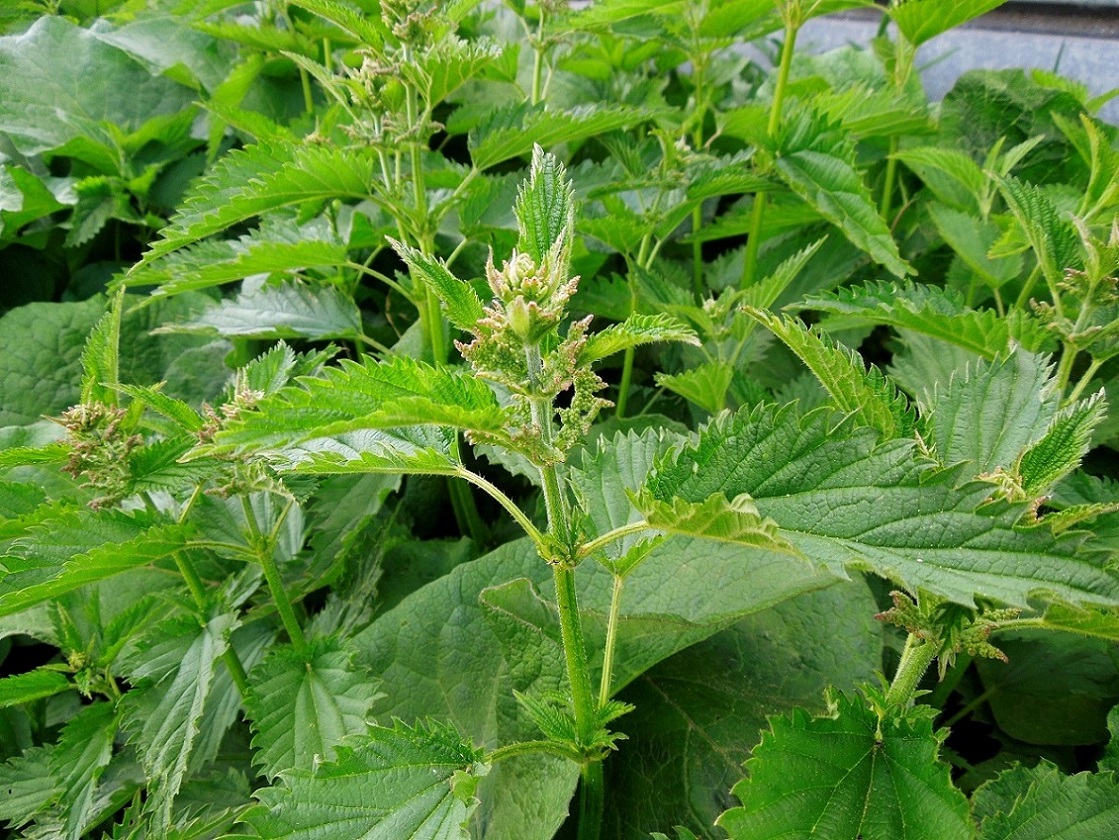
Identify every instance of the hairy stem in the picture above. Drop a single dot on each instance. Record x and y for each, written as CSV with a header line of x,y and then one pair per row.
x,y
518,515
628,356
1027,289
916,657
575,652
571,622
750,267
591,800
891,177
198,593
263,547
621,532
1064,367
462,501
1074,395
611,640
699,83
623,386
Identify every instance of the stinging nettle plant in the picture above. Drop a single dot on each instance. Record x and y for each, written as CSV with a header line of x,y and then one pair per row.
x,y
256,630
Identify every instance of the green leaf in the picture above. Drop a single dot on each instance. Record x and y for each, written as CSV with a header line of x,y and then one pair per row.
x,y
866,395
734,520
62,86
77,547
28,785
1093,622
606,474
268,176
24,198
950,174
1056,688
101,356
464,307
1053,238
545,208
819,166
932,311
446,622
512,132
363,397
168,45
972,239
922,20
278,310
279,365
1109,761
1066,442
848,774
304,703
341,510
365,26
636,331
175,676
34,685
706,385
402,783
42,344
840,497
699,713
84,750
402,451
1040,803
280,245
989,412
178,411
449,63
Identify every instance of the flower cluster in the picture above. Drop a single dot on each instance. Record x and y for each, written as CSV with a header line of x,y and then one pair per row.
x,y
518,346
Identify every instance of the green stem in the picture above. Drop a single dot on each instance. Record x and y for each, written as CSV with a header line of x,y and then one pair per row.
x,y
193,581
1027,289
1064,367
916,657
699,82
624,384
571,622
308,96
1084,380
591,800
629,355
904,54
198,593
891,177
622,531
611,640
575,653
263,547
697,257
466,511
750,268
538,60
507,503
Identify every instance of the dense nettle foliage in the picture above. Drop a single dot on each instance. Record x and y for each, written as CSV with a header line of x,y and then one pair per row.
x,y
514,421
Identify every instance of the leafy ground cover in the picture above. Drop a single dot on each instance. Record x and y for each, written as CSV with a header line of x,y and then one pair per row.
x,y
467,420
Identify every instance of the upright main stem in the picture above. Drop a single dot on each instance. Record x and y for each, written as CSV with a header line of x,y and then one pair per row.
x,y
197,589
750,268
571,623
